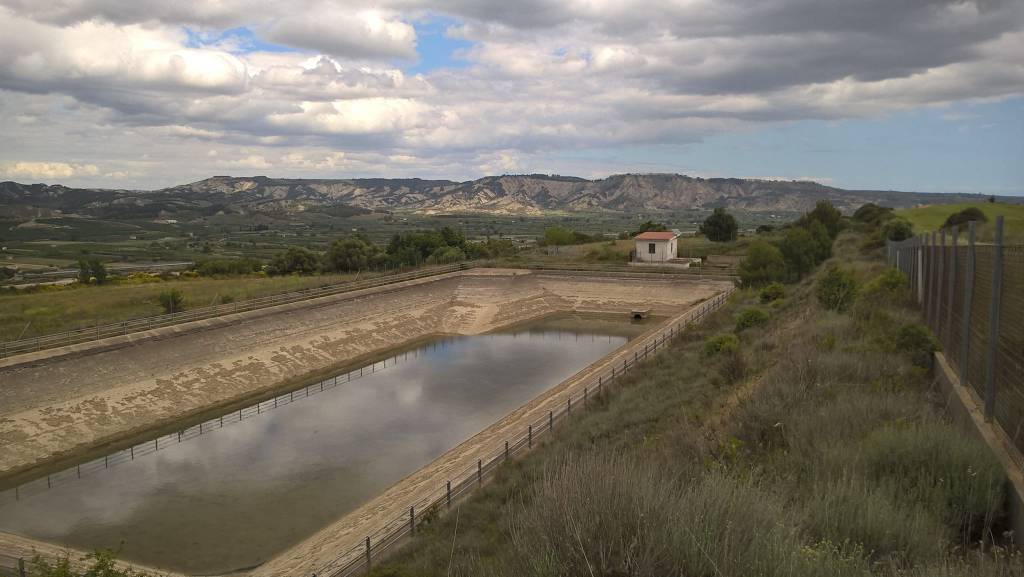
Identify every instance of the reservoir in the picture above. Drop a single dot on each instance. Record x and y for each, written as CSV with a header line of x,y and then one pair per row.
x,y
256,481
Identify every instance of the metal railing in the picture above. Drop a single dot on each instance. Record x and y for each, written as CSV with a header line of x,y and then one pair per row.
x,y
361,558
85,334
972,298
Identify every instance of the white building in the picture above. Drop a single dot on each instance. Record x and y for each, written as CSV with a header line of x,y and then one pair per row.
x,y
656,246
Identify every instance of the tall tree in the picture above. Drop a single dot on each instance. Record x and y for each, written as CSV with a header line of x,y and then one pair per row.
x,y
720,226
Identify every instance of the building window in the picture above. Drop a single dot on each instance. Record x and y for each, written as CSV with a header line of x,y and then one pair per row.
x,y
650,248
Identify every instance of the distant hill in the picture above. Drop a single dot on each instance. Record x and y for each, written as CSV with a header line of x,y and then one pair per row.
x,y
507,194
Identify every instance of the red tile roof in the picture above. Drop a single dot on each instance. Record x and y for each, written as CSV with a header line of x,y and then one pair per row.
x,y
653,235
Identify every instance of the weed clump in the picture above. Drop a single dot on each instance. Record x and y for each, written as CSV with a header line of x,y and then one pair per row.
x,y
752,317
837,288
772,292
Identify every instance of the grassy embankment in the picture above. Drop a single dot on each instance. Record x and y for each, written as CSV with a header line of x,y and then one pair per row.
x,y
812,444
25,314
929,218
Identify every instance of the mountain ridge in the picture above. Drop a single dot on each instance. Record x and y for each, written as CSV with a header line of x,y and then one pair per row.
x,y
504,194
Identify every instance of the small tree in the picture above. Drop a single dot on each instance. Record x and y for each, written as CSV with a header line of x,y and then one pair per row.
x,y
352,253
720,226
799,249
827,215
99,271
295,260
172,301
84,271
649,226
762,264
837,289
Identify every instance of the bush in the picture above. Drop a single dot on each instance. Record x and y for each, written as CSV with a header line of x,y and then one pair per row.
x,y
918,343
352,253
837,289
725,343
897,229
228,266
295,260
91,269
172,301
720,226
772,292
965,216
751,318
763,264
871,213
889,289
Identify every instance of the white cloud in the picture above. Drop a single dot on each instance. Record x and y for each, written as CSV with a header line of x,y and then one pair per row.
x,y
48,170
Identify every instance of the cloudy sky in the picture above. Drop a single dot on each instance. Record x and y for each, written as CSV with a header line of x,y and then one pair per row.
x,y
904,94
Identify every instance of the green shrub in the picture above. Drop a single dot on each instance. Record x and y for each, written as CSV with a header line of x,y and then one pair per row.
x,y
965,216
897,229
762,264
752,317
724,343
772,292
918,343
294,260
172,301
228,266
837,288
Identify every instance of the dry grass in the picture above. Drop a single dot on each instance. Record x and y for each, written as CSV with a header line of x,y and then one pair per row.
x,y
27,314
838,463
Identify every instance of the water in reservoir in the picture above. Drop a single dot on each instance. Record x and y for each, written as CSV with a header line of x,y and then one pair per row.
x,y
230,497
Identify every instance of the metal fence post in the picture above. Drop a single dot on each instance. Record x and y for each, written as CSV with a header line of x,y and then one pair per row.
x,y
933,282
506,450
479,472
953,270
965,334
993,322
551,420
412,520
529,437
940,279
449,493
368,559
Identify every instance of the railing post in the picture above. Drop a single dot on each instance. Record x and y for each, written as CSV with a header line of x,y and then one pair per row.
x,y
449,494
368,557
551,420
479,472
529,437
412,520
965,333
993,321
506,450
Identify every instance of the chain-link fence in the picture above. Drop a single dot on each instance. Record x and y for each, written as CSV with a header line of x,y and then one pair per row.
x,y
972,297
